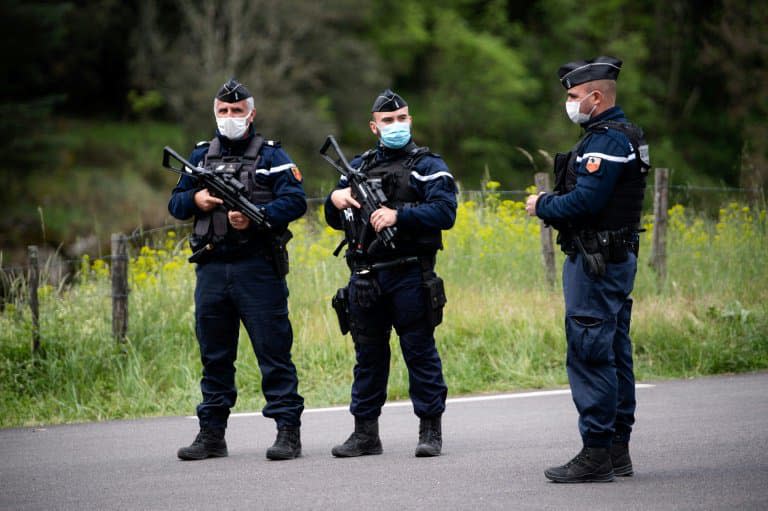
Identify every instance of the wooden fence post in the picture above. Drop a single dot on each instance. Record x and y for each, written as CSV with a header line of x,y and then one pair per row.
x,y
119,270
34,304
547,247
660,220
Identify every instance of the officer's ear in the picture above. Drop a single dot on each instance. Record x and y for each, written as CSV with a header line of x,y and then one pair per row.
x,y
598,94
374,128
252,115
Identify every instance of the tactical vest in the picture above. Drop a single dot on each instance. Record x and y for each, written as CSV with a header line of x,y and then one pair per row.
x,y
625,205
394,177
213,227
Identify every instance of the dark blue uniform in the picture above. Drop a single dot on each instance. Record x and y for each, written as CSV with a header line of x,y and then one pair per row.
x,y
238,282
402,301
598,309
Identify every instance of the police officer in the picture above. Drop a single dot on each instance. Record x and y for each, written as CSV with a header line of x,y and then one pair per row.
x,y
241,275
596,208
395,285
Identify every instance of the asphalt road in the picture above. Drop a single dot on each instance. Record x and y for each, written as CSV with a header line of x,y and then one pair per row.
x,y
698,444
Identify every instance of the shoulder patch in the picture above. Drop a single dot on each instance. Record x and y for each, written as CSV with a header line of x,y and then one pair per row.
x,y
296,173
593,164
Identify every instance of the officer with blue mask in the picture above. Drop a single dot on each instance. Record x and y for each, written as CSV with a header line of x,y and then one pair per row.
x,y
395,285
241,272
596,207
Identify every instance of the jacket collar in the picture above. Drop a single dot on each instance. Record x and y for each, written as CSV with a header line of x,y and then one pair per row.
x,y
237,146
615,112
384,153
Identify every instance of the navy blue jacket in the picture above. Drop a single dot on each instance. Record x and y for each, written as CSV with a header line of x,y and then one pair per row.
x,y
601,158
431,180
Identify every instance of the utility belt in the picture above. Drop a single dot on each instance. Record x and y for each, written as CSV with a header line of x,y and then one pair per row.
x,y
434,288
273,247
600,247
358,266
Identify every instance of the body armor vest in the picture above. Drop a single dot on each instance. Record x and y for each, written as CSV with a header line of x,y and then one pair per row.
x,y
625,205
213,227
394,178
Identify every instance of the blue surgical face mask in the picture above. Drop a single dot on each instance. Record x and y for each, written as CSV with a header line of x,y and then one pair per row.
x,y
395,135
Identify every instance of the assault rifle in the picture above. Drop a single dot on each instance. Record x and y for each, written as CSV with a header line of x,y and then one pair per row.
x,y
370,196
221,184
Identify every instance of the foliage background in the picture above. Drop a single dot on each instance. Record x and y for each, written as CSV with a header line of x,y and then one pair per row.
x,y
97,87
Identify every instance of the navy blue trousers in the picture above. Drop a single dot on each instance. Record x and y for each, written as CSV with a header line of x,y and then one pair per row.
x,y
599,360
250,291
402,305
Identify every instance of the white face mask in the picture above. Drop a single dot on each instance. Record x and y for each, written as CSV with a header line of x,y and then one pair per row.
x,y
233,127
573,109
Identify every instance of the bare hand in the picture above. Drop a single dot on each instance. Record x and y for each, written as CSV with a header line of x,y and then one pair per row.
x,y
383,217
530,203
205,201
238,220
342,199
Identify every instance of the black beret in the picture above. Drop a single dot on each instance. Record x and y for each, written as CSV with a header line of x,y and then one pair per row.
x,y
581,71
232,92
388,101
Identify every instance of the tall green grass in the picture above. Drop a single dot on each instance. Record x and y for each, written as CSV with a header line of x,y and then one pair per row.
x,y
502,328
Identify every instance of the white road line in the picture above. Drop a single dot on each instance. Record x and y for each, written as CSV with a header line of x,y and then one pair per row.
x,y
469,399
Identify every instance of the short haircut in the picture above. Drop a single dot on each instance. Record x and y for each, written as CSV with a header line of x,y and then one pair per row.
x,y
249,101
606,87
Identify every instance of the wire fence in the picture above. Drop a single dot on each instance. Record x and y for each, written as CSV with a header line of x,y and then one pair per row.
x,y
56,261
20,282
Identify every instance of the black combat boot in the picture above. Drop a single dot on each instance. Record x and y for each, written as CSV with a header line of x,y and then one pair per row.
x,y
364,440
209,443
287,444
430,438
591,465
622,463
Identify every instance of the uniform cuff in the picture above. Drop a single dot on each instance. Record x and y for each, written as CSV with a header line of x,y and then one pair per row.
x,y
191,201
539,202
404,218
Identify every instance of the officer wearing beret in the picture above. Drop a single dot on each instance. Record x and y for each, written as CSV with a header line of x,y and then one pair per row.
x,y
395,286
596,207
241,275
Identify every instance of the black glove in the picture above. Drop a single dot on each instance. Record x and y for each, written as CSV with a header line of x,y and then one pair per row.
x,y
366,291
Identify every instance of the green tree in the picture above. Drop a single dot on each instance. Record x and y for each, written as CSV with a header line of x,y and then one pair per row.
x,y
27,98
27,93
306,63
470,89
738,49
